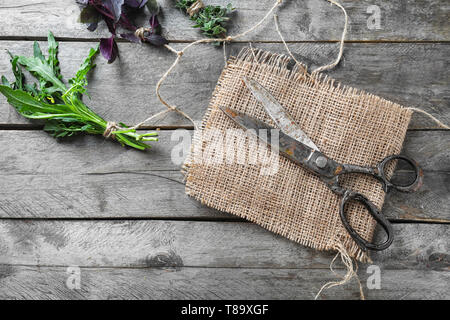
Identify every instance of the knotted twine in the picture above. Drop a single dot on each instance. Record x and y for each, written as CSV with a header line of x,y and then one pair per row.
x,y
111,127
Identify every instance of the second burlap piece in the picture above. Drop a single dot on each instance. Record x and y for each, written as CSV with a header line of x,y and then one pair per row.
x,y
347,125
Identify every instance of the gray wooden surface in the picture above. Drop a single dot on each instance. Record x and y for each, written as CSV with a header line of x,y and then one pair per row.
x,y
122,217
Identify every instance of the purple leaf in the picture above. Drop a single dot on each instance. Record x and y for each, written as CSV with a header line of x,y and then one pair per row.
x,y
130,37
156,39
109,49
135,3
153,6
127,23
92,26
154,25
102,9
89,15
154,21
111,25
115,7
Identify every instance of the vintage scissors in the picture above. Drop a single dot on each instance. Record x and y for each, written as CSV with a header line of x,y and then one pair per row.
x,y
295,145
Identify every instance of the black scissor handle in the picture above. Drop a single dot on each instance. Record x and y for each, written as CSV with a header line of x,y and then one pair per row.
x,y
414,186
375,213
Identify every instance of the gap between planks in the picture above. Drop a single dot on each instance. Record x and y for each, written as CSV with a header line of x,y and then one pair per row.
x,y
38,127
200,219
69,39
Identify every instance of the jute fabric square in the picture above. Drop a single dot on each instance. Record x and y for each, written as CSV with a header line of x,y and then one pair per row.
x,y
346,124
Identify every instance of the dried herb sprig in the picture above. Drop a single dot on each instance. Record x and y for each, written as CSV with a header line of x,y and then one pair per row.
x,y
117,14
59,105
210,19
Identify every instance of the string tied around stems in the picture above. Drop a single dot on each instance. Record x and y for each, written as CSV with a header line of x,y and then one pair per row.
x,y
195,8
111,127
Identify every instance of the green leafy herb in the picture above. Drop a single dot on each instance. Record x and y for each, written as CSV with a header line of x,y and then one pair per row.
x,y
210,19
61,106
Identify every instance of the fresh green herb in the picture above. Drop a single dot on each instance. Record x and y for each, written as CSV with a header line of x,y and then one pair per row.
x,y
210,19
61,106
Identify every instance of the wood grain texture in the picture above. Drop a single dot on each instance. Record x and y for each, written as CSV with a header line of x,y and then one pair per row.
x,y
87,177
20,282
220,256
410,74
176,244
299,20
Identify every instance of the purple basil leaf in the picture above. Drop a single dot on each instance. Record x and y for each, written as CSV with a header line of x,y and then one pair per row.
x,y
89,15
130,37
135,3
127,23
156,39
111,25
153,7
92,26
109,49
154,24
153,21
115,7
102,9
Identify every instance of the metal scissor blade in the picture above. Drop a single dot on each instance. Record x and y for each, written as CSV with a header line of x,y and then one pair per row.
x,y
278,114
287,146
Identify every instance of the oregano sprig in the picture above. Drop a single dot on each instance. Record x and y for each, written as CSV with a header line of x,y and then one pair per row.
x,y
211,20
61,106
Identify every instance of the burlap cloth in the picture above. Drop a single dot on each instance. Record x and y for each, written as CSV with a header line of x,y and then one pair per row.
x,y
346,124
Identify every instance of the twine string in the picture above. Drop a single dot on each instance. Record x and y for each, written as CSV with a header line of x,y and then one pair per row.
x,y
352,272
341,45
111,127
435,120
196,7
178,58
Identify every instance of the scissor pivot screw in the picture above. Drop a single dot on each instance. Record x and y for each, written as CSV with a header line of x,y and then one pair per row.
x,y
321,162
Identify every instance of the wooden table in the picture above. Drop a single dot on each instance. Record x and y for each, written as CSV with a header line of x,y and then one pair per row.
x,y
120,217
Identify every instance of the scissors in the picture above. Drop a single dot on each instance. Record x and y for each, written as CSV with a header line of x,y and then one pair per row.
x,y
295,145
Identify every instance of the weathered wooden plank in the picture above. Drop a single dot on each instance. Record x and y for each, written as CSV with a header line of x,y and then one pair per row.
x,y
34,152
299,20
20,282
410,74
160,194
88,177
155,243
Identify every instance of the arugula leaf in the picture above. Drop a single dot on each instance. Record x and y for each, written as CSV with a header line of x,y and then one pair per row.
x,y
37,52
28,105
80,79
42,70
53,55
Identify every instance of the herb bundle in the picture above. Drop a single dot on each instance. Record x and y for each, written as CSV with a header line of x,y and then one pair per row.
x,y
61,106
118,13
210,19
